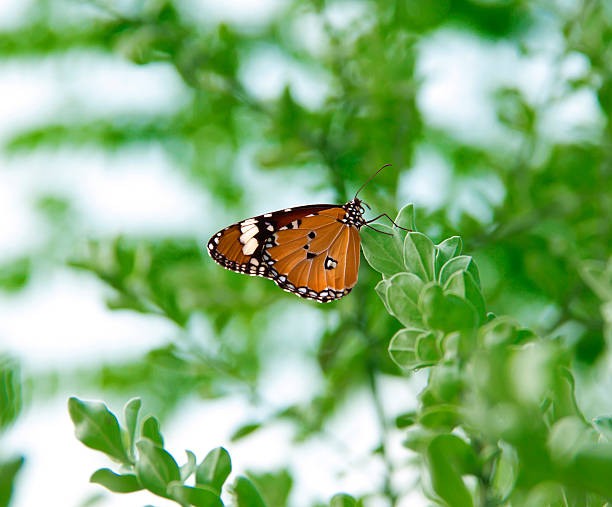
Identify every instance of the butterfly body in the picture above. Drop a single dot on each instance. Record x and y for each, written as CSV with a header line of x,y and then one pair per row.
x,y
311,251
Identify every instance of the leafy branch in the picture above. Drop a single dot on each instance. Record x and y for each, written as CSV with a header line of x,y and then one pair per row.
x,y
509,391
138,448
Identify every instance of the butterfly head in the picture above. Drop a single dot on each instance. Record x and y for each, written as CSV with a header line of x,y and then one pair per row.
x,y
354,212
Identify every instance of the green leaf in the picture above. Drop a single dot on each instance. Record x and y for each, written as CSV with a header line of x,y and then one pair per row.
x,y
200,496
342,500
244,430
15,275
461,263
273,486
130,415
8,472
124,483
97,428
403,296
463,285
499,332
10,391
405,217
214,469
381,289
246,494
419,256
598,276
591,470
427,349
440,417
402,349
449,458
150,429
446,250
446,312
383,253
155,467
603,425
568,436
188,468
405,420
505,472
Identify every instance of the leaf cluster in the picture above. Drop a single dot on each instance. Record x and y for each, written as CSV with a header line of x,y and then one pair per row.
x,y
510,392
138,449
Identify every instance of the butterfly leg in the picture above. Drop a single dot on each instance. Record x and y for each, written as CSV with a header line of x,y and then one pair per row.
x,y
385,215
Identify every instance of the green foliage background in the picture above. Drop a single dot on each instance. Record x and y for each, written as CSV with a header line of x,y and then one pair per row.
x,y
543,249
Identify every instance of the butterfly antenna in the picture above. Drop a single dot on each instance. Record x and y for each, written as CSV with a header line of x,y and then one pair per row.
x,y
371,178
375,229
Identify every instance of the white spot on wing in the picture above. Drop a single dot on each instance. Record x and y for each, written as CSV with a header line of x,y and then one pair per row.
x,y
250,246
248,227
248,222
268,215
246,236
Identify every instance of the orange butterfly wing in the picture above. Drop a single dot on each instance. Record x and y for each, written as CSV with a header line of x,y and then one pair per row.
x,y
311,251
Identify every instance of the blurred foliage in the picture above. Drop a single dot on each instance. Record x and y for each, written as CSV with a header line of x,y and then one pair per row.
x,y
510,391
538,247
10,406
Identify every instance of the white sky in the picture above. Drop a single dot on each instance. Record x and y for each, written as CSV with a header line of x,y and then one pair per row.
x,y
64,319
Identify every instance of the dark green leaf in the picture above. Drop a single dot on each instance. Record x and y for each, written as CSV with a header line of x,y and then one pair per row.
x,y
200,496
449,458
8,473
445,251
402,349
15,274
245,494
446,312
591,470
97,428
461,263
155,468
405,217
244,430
426,348
405,420
383,253
499,332
150,429
419,256
214,469
342,500
274,487
505,472
598,276
463,285
403,296
130,415
10,391
440,417
124,483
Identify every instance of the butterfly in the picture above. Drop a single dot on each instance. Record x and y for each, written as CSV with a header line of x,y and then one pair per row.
x,y
311,251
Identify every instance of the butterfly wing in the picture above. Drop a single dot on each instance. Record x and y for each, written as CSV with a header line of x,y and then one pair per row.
x,y
309,251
